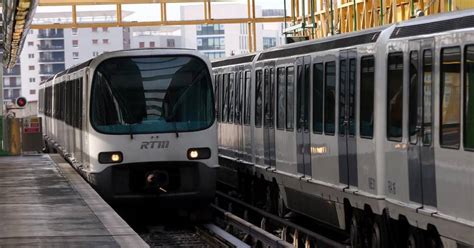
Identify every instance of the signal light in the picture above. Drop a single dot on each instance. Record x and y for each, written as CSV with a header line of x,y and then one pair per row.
x,y
21,102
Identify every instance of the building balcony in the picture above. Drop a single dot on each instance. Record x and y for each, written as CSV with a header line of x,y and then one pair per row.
x,y
51,33
51,60
42,47
16,71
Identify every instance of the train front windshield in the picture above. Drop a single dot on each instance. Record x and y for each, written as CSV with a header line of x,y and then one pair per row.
x,y
151,95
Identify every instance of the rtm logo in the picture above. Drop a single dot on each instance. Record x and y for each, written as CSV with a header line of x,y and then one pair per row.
x,y
155,144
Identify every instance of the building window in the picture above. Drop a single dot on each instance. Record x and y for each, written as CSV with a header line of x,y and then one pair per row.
x,y
269,42
31,55
32,92
31,31
105,41
31,43
75,55
94,54
105,29
211,43
31,67
75,43
32,80
450,80
95,41
94,30
152,44
210,29
74,31
170,43
141,44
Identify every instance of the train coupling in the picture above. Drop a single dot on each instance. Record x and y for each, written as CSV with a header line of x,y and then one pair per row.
x,y
157,181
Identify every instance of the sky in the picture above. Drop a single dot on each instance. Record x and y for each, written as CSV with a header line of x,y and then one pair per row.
x,y
151,12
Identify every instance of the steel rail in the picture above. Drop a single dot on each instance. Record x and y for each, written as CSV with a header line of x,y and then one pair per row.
x,y
284,222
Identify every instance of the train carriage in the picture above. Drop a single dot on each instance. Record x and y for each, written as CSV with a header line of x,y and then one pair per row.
x,y
370,132
137,124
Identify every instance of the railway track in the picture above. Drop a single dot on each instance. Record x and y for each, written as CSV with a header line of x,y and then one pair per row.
x,y
234,223
288,231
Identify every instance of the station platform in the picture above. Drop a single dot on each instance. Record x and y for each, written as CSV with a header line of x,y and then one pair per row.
x,y
44,203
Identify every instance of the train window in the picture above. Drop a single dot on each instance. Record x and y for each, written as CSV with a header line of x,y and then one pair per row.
x,y
318,98
130,95
395,96
63,101
342,96
352,102
413,97
225,100
266,97
216,96
469,98
330,98
71,102
232,98
269,98
427,97
79,105
281,84
238,97
367,76
258,98
247,98
290,78
272,96
450,97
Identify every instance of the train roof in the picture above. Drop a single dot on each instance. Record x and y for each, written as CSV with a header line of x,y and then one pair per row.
x,y
337,41
239,59
434,24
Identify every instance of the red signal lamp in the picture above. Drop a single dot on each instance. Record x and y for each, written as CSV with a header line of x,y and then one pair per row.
x,y
21,101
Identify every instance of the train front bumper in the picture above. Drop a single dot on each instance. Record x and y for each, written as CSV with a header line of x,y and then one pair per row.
x,y
186,182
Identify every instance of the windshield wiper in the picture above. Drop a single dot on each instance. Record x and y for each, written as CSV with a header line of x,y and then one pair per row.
x,y
130,131
175,127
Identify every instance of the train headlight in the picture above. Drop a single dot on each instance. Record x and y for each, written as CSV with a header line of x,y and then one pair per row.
x,y
199,153
110,157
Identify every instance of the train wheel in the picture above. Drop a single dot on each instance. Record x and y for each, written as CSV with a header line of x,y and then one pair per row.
x,y
282,210
379,234
433,240
355,232
414,238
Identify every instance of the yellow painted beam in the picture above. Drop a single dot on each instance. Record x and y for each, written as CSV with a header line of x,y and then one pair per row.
x,y
158,23
103,2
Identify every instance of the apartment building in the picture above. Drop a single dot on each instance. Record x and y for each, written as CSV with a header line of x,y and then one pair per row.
x,y
47,52
222,40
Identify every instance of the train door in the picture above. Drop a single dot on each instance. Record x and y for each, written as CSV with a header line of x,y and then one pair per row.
x,y
303,134
268,116
347,105
421,170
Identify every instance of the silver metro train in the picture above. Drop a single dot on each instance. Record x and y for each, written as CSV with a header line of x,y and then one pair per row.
x,y
371,132
137,124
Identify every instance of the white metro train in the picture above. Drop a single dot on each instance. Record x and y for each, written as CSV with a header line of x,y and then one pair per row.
x,y
371,132
137,124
